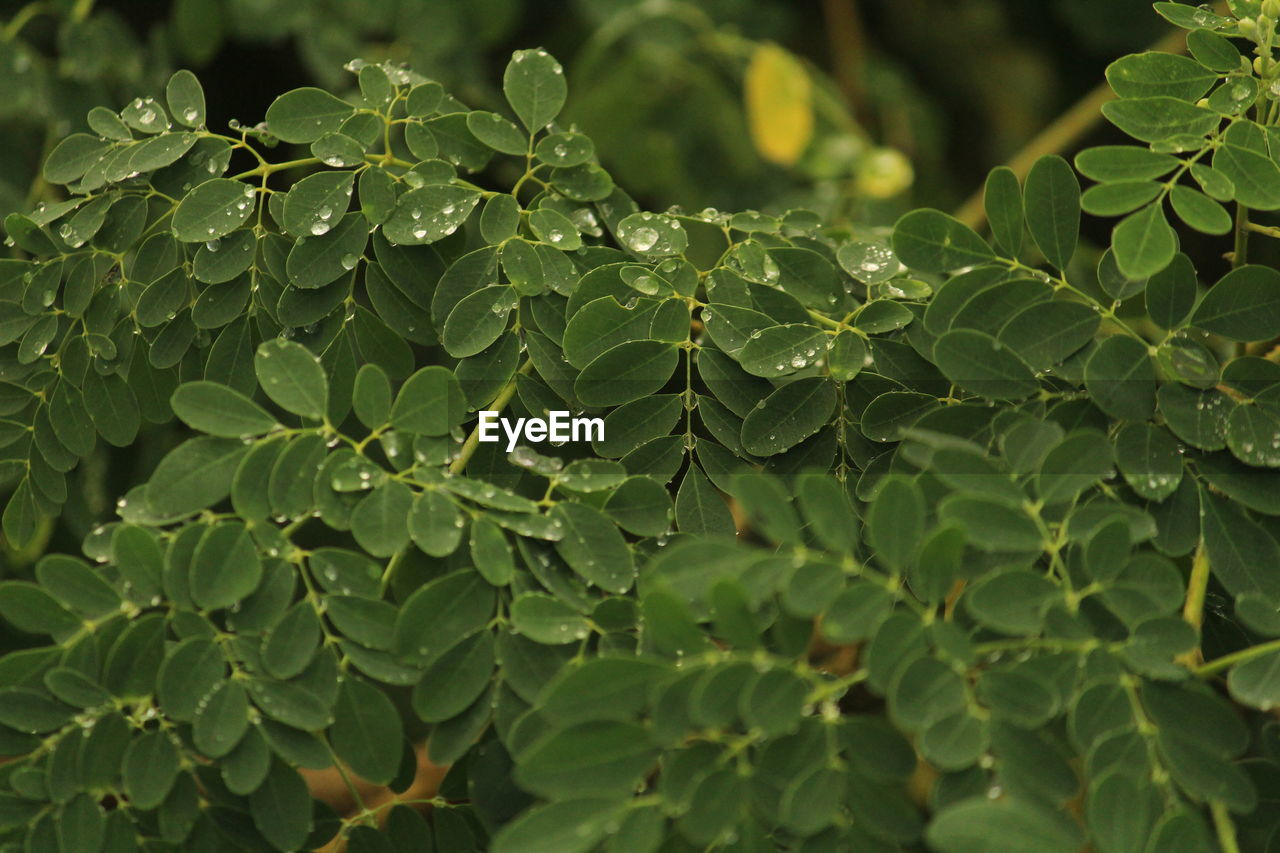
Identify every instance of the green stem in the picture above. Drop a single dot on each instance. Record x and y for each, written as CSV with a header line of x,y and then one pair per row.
x,y
1197,585
1227,661
498,404
1240,252
24,16
1225,827
269,168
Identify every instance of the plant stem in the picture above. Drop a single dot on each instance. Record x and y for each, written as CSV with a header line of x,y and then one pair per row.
x,y
1193,609
1227,661
498,404
1225,827
848,48
269,168
1240,249
23,17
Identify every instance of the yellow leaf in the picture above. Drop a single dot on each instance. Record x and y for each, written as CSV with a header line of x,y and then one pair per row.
x,y
779,99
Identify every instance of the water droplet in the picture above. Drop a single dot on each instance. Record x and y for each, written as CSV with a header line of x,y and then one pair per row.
x,y
643,239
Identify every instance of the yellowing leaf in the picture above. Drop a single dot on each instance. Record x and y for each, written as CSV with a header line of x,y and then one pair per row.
x,y
779,98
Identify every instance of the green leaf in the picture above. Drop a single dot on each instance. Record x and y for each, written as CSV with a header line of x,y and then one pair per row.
x,y
1143,243
1121,378
781,350
788,416
604,323
306,114
597,757
1245,160
1109,163
1121,197
218,410
430,402
439,614
932,241
139,557
194,475
991,524
225,567
292,641
221,720
652,234
570,826
626,372
896,522
1172,293
379,521
478,320
1148,458
1076,463
292,377
1189,17
1256,682
1046,333
497,132
699,507
1144,75
1007,825
548,620
491,552
982,365
72,157
314,203
32,711
1239,548
367,733
641,506
435,524
428,214
555,229
593,547
455,679
185,98
1243,306
190,672
212,210
1199,211
150,768
535,87
1002,201
281,807
112,407
29,608
1052,198
1156,118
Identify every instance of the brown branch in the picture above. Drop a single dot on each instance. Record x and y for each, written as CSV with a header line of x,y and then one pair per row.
x,y
847,43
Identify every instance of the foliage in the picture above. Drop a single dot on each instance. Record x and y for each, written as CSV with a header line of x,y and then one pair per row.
x,y
689,62
984,493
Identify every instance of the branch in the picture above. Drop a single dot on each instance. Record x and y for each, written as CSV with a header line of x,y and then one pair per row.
x,y
498,404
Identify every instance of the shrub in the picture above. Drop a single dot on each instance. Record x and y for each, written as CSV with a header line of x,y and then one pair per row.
x,y
992,508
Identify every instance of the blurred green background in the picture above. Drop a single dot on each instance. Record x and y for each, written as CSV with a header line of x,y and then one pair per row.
x,y
909,101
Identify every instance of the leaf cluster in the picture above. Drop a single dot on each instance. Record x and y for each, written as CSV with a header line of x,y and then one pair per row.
x,y
983,489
